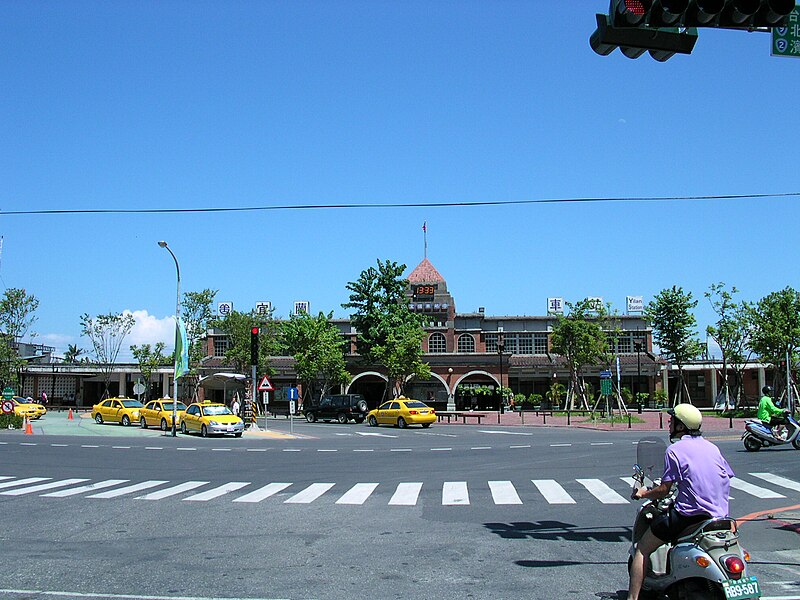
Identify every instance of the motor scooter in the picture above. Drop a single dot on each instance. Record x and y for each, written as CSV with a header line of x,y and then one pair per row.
x,y
706,561
757,435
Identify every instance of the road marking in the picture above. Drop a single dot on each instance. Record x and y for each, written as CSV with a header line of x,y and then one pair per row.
x,y
186,449
28,444
59,445
64,594
42,486
455,493
121,447
326,450
263,492
602,444
89,446
254,449
602,492
440,449
221,449
406,494
364,450
552,491
778,480
216,492
129,489
358,494
400,449
504,432
481,448
173,491
292,450
85,488
311,493
560,445
503,492
26,481
758,492
523,446
373,434
153,448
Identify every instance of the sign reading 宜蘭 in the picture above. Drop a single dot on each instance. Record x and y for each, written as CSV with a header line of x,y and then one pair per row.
x,y
555,306
302,306
263,308
635,304
786,40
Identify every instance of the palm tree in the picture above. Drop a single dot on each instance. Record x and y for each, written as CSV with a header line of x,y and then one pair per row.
x,y
71,355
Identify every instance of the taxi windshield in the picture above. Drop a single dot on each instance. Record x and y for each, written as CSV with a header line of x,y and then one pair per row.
x,y
168,406
415,404
131,404
212,411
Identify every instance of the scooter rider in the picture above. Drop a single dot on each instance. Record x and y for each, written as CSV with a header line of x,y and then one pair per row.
x,y
769,414
703,478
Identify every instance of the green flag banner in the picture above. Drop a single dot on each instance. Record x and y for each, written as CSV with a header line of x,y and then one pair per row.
x,y
181,350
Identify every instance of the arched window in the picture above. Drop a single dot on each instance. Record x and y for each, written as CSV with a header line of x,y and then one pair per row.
x,y
466,343
437,343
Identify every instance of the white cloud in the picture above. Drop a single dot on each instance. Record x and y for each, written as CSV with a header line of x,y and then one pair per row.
x,y
623,121
150,330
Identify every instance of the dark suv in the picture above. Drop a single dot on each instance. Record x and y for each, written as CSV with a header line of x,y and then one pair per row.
x,y
341,407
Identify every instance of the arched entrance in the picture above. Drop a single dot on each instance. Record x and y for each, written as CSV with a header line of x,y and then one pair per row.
x,y
477,390
369,384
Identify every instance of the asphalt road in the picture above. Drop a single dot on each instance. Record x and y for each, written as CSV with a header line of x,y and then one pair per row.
x,y
345,511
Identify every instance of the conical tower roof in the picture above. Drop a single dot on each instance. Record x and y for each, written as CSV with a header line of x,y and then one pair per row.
x,y
425,272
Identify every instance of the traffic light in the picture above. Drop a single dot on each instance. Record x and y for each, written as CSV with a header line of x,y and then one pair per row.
x,y
667,27
254,345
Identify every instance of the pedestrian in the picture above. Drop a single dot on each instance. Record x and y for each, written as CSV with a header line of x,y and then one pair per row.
x,y
44,398
703,477
235,404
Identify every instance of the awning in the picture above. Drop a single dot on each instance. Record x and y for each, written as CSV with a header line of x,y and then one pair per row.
x,y
219,381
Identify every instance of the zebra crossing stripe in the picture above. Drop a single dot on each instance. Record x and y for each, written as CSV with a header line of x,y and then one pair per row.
x,y
455,493
358,494
173,491
263,492
6,477
778,480
216,492
406,494
42,486
85,488
503,492
25,481
602,492
552,491
129,489
758,492
311,493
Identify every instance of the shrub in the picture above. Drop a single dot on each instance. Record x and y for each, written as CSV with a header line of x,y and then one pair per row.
x,y
12,419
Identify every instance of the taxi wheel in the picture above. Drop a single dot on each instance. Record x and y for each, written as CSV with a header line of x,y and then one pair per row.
x,y
183,428
164,425
342,418
372,422
204,431
143,423
426,424
238,434
126,420
98,418
401,423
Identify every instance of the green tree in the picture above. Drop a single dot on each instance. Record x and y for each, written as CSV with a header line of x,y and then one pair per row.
x,y
674,331
731,332
197,314
580,338
72,353
149,360
389,334
17,309
318,350
106,333
237,327
776,331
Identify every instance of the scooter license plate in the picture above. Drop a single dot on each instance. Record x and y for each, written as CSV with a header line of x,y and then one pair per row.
x,y
741,588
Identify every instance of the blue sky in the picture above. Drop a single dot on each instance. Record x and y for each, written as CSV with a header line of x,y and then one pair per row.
x,y
192,104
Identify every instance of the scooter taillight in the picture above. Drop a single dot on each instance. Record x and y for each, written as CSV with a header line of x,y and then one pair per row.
x,y
734,565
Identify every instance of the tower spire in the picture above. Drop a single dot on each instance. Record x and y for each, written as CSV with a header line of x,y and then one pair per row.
x,y
425,238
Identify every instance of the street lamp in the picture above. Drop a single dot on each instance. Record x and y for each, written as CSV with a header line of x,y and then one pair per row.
x,y
500,348
163,244
638,347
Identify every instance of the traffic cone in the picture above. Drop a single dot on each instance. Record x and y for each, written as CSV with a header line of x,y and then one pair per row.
x,y
70,417
28,427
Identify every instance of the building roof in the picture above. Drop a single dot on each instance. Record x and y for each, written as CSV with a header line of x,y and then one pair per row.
x,y
425,272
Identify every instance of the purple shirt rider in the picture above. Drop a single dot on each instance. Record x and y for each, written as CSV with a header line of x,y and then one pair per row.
x,y
702,475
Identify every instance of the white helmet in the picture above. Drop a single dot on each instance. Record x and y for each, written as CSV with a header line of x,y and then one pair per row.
x,y
689,415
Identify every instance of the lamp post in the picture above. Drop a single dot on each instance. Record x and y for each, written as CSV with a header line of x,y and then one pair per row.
x,y
500,348
163,244
638,347
451,404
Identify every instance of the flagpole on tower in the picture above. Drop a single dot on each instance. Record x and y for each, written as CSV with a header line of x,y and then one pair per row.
x,y
425,237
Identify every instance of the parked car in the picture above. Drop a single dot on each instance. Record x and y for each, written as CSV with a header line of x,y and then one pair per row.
x,y
23,408
402,412
208,418
159,412
342,407
37,407
120,410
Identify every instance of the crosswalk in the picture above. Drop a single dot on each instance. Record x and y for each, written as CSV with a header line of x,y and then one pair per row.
x,y
412,493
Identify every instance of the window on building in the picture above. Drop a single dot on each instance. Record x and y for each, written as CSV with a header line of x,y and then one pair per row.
x,y
510,342
540,343
220,346
491,342
466,343
525,343
437,343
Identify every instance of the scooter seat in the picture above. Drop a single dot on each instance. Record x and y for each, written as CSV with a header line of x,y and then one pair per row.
x,y
710,525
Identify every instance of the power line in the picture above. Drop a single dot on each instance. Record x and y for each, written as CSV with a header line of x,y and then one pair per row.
x,y
140,211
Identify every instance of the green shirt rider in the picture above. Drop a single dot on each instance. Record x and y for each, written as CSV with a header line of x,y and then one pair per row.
x,y
768,413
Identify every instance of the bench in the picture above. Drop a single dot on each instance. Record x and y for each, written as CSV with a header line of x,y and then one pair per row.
x,y
459,415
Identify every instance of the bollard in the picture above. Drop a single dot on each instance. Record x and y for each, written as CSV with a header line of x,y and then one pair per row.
x,y
629,421
730,422
568,415
544,418
660,420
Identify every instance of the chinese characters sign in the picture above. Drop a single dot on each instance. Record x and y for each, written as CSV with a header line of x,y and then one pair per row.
x,y
786,40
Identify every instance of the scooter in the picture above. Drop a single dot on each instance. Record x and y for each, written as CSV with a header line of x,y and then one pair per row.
x,y
706,562
757,435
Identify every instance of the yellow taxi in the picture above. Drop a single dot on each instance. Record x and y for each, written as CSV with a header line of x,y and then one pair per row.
x,y
159,413
39,408
23,408
208,418
119,410
402,412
